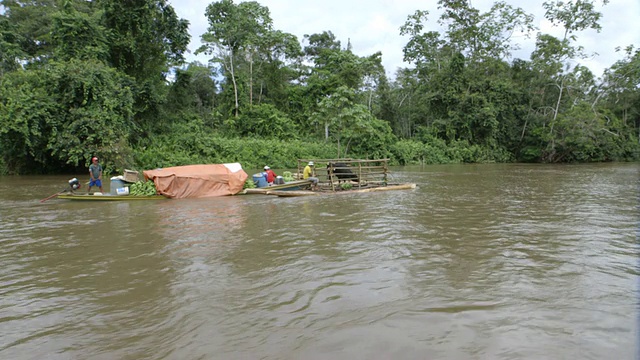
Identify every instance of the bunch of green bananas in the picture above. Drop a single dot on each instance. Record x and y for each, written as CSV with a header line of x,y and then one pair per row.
x,y
287,176
346,186
142,188
249,184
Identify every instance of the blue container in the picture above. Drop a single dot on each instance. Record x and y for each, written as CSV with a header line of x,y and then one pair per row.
x,y
260,180
115,185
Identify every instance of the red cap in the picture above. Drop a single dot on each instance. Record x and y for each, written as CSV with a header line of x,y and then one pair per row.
x,y
94,158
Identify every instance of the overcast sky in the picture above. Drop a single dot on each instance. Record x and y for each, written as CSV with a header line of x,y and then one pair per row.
x,y
373,25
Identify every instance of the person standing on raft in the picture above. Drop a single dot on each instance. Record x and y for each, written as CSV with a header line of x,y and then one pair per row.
x,y
95,172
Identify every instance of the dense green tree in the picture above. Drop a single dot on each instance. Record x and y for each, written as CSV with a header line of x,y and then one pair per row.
x,y
279,56
460,74
146,38
32,21
551,58
76,35
63,114
351,124
622,97
194,90
105,77
26,116
333,68
264,121
482,35
10,51
96,111
407,103
234,30
321,45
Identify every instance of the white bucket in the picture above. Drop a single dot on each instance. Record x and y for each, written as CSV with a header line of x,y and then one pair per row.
x,y
122,191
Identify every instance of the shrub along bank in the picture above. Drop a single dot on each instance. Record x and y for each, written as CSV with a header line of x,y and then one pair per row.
x,y
255,152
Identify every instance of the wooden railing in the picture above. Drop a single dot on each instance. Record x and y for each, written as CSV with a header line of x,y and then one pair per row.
x,y
357,172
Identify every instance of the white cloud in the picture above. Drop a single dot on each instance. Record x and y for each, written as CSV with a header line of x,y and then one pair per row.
x,y
373,25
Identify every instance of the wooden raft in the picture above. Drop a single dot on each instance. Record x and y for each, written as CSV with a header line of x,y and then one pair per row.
x,y
290,185
292,193
316,193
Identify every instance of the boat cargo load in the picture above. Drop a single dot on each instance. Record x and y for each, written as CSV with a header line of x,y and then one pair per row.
x,y
130,176
198,181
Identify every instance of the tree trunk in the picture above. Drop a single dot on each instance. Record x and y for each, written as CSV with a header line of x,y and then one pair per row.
x,y
346,150
251,79
235,86
524,128
555,116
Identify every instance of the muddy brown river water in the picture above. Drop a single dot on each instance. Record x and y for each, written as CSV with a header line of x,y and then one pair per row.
x,y
479,262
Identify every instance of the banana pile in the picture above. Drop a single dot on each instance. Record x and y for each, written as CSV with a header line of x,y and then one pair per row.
x,y
249,184
287,176
142,188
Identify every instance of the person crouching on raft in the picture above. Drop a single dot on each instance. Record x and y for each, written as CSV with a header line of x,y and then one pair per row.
x,y
271,175
310,174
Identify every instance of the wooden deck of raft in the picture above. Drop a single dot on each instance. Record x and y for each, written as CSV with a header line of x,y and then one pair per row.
x,y
292,184
294,193
363,176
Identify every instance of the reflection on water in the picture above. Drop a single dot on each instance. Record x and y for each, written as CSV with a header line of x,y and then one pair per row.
x,y
486,262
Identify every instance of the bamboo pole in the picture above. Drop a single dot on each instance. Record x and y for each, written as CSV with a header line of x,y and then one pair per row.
x,y
291,193
387,188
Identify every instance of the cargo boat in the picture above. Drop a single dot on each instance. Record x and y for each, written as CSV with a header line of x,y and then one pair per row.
x,y
109,197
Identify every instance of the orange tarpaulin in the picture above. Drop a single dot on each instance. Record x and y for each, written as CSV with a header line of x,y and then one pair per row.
x,y
197,181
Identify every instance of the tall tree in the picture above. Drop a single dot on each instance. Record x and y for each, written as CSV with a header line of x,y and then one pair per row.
x,y
483,35
351,124
10,51
59,115
234,29
32,20
460,71
551,55
146,38
334,67
76,35
193,93
279,56
621,84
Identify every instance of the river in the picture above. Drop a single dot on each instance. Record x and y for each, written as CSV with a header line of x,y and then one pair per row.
x,y
479,262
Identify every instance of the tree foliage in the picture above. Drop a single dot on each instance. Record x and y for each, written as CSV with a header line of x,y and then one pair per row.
x,y
63,114
80,78
236,31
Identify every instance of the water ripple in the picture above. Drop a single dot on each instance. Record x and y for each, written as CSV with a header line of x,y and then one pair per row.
x,y
492,262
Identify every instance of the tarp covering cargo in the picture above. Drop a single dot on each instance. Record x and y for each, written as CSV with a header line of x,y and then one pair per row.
x,y
197,181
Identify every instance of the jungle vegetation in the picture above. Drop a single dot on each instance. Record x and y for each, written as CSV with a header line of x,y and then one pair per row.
x,y
81,78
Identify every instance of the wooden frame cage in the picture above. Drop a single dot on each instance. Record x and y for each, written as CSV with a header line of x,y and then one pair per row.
x,y
335,173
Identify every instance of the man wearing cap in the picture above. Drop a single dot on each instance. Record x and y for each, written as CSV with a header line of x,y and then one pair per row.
x,y
271,175
95,172
309,173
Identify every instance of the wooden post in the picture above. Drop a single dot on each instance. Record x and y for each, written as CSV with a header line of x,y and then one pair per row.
x,y
384,170
330,174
